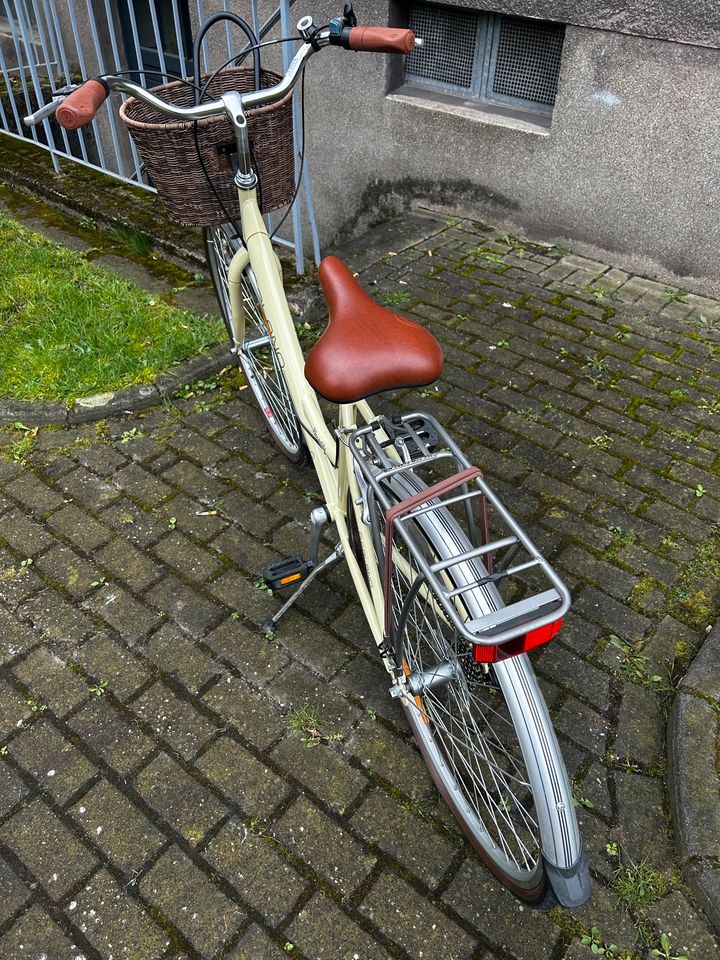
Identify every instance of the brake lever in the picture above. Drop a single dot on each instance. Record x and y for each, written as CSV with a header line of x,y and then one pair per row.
x,y
49,109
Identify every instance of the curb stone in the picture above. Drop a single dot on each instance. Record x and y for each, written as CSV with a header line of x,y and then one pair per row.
x,y
693,778
100,406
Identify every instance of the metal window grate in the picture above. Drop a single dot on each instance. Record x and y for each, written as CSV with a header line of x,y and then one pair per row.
x,y
449,41
486,56
528,60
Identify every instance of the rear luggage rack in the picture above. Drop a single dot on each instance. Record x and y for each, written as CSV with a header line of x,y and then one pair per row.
x,y
453,541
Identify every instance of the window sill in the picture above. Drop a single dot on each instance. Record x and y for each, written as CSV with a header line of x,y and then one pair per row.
x,y
478,111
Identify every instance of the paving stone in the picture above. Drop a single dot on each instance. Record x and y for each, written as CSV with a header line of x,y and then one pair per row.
x,y
257,945
641,725
686,927
35,935
570,671
121,830
479,899
34,494
114,739
137,525
320,769
391,759
80,528
178,799
26,536
602,911
68,570
185,606
141,485
584,726
298,689
258,872
408,919
13,893
175,550
47,848
195,482
243,597
308,833
173,719
115,924
103,659
50,683
12,789
197,907
14,709
323,932
18,580
383,821
193,518
15,636
177,657
612,615
644,829
128,564
243,779
132,619
252,654
257,720
89,490
100,458
57,619
367,681
56,764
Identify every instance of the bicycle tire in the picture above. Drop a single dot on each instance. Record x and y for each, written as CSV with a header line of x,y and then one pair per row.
x,y
480,733
257,355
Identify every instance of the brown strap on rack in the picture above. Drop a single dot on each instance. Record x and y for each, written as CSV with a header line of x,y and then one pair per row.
x,y
405,506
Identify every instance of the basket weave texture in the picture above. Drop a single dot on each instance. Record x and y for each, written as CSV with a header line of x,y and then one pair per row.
x,y
170,154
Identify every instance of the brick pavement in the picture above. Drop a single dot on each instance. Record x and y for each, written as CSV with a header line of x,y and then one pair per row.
x,y
157,799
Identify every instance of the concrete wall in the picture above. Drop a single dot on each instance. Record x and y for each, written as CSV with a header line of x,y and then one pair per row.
x,y
630,163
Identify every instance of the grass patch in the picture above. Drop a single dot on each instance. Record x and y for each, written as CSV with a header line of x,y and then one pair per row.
x,y
70,329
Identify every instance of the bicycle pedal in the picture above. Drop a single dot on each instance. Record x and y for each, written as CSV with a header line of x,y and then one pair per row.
x,y
286,572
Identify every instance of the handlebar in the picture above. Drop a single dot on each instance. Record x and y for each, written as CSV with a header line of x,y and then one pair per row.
x,y
80,107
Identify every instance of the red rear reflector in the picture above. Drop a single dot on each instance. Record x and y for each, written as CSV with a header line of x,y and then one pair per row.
x,y
485,653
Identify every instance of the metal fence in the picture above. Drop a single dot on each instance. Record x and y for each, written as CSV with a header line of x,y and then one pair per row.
x,y
46,44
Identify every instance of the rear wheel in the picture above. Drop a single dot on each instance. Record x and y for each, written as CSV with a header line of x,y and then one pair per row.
x,y
258,357
479,729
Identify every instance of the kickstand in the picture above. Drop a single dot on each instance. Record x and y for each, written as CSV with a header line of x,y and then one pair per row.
x,y
270,625
294,568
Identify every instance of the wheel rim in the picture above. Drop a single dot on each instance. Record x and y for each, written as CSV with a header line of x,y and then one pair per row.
x,y
258,358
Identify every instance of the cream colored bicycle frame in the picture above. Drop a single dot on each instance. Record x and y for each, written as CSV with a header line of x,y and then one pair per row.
x,y
337,479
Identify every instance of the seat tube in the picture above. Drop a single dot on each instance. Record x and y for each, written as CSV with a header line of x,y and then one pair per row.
x,y
245,178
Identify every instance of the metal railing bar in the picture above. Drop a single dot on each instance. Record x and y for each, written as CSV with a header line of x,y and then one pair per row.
x,y
201,18
178,38
101,65
83,70
297,137
156,32
137,163
46,41
21,74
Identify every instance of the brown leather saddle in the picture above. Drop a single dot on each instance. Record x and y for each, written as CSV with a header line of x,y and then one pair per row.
x,y
365,348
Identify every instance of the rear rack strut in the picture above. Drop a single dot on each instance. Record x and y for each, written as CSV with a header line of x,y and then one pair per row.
x,y
386,451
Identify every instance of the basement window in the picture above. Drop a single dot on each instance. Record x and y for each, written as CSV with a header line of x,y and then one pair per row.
x,y
486,56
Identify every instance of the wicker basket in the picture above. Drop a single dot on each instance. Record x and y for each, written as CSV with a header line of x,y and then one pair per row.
x,y
168,150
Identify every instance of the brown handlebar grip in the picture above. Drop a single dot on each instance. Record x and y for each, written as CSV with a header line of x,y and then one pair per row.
x,y
381,39
80,107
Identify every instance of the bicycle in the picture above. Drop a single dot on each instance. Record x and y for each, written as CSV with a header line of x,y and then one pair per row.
x,y
454,591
